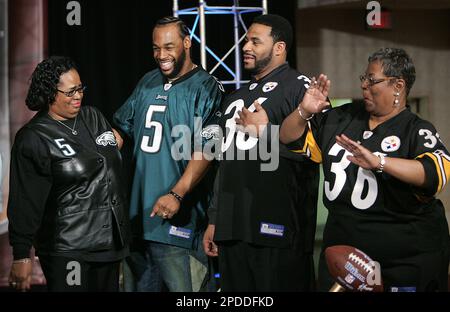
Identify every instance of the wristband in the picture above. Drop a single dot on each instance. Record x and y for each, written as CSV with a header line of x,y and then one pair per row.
x,y
178,197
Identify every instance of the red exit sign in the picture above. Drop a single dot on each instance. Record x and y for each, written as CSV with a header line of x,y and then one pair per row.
x,y
385,21
376,17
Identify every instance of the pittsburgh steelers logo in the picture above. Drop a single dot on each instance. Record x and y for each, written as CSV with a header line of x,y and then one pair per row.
x,y
167,86
390,143
269,86
252,86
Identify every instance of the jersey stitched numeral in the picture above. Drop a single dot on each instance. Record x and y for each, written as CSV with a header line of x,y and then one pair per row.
x,y
363,176
439,138
241,142
339,170
65,148
157,135
306,79
429,136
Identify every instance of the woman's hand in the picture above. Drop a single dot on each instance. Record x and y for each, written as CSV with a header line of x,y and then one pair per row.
x,y
314,101
361,155
315,98
20,276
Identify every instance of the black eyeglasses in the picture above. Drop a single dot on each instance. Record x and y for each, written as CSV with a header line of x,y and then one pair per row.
x,y
372,81
72,92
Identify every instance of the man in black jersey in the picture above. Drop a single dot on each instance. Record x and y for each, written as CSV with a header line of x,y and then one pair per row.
x,y
263,218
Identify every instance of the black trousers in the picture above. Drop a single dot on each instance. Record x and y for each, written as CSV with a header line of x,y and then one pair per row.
x,y
74,275
247,267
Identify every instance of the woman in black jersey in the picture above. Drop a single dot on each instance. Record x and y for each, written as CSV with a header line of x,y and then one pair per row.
x,y
383,166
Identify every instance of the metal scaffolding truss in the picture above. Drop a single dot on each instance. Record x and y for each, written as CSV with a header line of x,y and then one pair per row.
x,y
236,11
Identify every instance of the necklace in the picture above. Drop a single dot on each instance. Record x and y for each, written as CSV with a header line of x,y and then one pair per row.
x,y
74,132
173,79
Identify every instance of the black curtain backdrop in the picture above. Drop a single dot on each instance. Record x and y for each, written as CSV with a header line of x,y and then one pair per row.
x,y
113,47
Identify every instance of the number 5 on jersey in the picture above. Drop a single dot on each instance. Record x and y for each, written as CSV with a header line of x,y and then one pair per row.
x,y
148,145
65,148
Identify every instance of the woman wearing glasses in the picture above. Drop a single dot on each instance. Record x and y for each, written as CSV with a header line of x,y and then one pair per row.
x,y
65,198
383,166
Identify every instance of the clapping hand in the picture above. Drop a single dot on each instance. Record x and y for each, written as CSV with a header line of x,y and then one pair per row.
x,y
315,98
360,155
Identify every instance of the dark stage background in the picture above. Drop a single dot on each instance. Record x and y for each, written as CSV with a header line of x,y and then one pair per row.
x,y
113,47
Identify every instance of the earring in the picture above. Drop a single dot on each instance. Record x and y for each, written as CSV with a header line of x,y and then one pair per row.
x,y
396,101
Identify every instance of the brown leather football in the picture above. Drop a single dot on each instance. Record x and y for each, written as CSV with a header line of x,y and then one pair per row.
x,y
352,269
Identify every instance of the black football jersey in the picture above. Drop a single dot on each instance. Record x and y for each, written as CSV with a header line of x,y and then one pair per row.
x,y
263,205
375,212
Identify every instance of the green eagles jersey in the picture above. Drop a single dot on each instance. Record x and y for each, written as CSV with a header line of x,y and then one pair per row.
x,y
165,120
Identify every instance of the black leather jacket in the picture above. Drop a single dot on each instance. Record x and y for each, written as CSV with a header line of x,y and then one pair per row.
x,y
86,206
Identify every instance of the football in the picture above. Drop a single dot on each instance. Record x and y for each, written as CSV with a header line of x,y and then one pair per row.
x,y
353,270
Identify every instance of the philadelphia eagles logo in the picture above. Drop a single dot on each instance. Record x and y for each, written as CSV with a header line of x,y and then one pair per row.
x,y
211,132
106,138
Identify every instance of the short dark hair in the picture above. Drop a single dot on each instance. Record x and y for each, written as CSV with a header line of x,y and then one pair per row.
x,y
396,63
44,81
281,28
183,29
